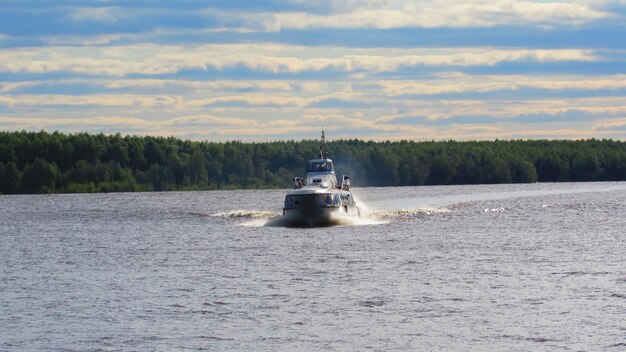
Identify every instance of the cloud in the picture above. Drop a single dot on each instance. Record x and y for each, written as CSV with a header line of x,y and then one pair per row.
x,y
199,86
144,17
161,102
612,124
76,101
431,14
123,101
147,101
446,112
349,125
153,60
36,123
120,123
250,101
391,102
459,83
97,14
6,87
204,120
303,92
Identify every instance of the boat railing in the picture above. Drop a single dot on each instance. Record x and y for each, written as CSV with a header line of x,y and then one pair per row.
x,y
345,183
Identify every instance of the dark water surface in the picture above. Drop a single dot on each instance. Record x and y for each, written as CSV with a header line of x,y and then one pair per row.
x,y
537,267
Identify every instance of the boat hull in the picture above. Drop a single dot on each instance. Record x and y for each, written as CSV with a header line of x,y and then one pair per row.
x,y
317,207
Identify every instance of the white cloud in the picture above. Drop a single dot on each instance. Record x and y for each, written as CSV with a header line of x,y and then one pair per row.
x,y
386,101
97,14
203,120
611,124
161,102
251,101
461,83
608,121
6,87
98,100
429,14
73,101
303,92
154,60
75,123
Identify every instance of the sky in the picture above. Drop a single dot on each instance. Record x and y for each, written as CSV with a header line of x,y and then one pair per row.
x,y
284,69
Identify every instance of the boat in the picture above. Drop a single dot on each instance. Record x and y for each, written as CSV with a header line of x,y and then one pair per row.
x,y
318,200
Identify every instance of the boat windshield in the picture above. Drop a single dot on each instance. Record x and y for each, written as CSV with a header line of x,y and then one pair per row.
x,y
319,166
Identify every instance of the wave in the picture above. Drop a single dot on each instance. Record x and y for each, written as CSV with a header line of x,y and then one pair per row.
x,y
352,220
495,210
406,213
338,219
238,214
257,218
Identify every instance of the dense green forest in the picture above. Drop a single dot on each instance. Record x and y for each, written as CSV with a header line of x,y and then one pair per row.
x,y
41,162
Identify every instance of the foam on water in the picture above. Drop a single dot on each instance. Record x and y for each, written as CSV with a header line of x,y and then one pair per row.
x,y
386,213
257,218
369,215
352,220
337,219
261,222
238,214
407,213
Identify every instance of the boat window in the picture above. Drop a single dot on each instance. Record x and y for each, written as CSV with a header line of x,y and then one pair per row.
x,y
291,202
318,166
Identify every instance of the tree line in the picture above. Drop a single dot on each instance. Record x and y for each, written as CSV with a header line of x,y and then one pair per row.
x,y
42,162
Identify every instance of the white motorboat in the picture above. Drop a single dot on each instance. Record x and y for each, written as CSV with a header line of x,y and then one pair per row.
x,y
318,199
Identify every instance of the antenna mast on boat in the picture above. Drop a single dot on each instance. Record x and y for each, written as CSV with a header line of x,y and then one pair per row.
x,y
323,152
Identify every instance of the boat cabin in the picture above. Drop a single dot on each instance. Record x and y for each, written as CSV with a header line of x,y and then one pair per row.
x,y
320,173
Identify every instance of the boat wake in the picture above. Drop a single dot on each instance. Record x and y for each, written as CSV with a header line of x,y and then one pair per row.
x,y
252,218
369,216
244,214
388,214
335,220
406,213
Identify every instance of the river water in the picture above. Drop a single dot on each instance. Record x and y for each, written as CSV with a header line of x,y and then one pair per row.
x,y
534,267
